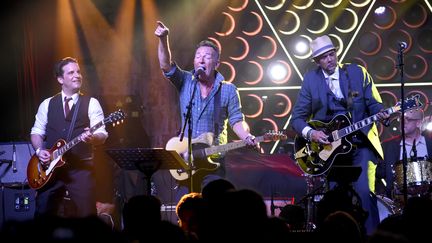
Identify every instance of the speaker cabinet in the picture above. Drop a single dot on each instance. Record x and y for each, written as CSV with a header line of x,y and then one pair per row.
x,y
16,204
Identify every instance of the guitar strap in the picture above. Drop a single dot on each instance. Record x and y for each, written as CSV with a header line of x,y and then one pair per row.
x,y
73,119
217,108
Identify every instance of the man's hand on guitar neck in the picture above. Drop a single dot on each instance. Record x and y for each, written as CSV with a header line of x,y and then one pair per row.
x,y
251,142
383,117
93,138
86,136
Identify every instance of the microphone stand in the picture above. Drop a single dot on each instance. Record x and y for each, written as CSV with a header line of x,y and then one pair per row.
x,y
404,152
188,122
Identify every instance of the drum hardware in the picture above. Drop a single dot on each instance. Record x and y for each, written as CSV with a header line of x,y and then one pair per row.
x,y
315,188
387,207
419,175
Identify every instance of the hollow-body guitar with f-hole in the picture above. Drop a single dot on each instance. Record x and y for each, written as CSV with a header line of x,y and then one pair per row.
x,y
315,159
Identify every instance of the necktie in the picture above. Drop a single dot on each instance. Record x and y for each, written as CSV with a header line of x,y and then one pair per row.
x,y
66,106
332,87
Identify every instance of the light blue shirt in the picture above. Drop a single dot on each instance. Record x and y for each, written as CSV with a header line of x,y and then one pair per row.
x,y
203,108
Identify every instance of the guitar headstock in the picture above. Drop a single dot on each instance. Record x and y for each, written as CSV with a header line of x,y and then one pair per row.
x,y
274,136
115,118
410,103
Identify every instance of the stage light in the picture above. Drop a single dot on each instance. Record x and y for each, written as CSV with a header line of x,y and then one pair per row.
x,y
384,17
277,71
427,124
380,10
301,47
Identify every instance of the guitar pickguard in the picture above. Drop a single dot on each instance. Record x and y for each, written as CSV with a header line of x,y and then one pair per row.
x,y
203,152
316,159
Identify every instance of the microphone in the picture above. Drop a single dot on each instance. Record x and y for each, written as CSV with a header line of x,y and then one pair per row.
x,y
402,45
199,71
14,168
414,151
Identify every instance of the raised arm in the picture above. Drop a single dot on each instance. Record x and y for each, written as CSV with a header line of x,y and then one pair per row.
x,y
164,52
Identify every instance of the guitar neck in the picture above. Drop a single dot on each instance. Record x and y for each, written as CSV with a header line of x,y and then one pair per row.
x,y
229,146
360,124
76,140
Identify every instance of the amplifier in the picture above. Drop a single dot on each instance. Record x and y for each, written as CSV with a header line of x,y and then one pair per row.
x,y
16,204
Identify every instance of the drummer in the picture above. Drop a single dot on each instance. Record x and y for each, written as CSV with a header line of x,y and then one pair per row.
x,y
393,152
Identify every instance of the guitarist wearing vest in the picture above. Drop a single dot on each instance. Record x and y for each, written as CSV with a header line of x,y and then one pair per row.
x,y
53,123
333,89
206,88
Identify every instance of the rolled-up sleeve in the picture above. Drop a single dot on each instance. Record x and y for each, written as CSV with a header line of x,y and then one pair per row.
x,y
41,119
96,115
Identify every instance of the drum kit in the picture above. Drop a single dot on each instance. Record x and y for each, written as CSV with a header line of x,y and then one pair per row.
x,y
419,184
418,174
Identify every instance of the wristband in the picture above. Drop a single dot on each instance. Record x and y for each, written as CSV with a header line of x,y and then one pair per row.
x,y
37,151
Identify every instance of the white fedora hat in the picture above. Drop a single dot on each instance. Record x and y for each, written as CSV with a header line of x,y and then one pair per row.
x,y
321,45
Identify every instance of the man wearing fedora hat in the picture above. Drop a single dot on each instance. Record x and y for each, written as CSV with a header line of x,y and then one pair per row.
x,y
333,89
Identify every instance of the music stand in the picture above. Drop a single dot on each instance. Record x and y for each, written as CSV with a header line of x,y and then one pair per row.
x,y
344,175
147,160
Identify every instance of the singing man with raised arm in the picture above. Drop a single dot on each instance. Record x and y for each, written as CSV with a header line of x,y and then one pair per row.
x,y
203,85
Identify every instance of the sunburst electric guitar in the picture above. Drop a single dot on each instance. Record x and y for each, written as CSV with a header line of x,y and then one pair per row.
x,y
202,151
38,174
315,158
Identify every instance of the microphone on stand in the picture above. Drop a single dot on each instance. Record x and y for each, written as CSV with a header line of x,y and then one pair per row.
x,y
14,168
199,71
414,151
402,45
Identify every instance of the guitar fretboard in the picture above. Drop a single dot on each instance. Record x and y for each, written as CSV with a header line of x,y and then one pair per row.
x,y
360,124
229,146
59,152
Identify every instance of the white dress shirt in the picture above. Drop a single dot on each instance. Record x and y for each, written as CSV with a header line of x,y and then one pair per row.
x,y
95,114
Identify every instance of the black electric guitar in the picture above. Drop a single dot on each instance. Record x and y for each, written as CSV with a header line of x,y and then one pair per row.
x,y
315,158
38,175
202,151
